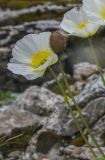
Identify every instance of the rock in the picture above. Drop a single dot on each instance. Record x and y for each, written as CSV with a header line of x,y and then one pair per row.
x,y
43,102
52,85
99,131
84,70
92,90
13,33
77,82
77,87
47,128
81,153
16,128
1,157
95,109
58,123
10,14
14,155
39,100
14,119
42,157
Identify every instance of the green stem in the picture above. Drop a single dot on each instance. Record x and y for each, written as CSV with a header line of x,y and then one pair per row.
x,y
78,109
95,58
71,111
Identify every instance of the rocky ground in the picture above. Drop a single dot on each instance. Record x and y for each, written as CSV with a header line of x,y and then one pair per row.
x,y
38,126
34,121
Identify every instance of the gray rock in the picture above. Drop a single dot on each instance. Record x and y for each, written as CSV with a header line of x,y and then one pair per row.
x,y
9,32
9,14
59,122
14,119
84,70
45,112
99,130
52,84
92,90
95,109
14,155
1,157
39,100
77,87
82,153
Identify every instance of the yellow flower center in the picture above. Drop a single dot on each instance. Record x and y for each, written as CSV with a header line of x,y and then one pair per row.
x,y
102,12
40,58
83,25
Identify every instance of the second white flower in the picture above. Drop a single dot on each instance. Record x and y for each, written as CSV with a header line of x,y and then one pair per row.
x,y
76,23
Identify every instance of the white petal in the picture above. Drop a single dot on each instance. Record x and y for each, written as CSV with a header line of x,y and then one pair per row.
x,y
93,11
92,28
23,51
20,56
81,34
13,60
72,15
68,26
92,7
44,40
28,44
20,69
34,75
31,44
55,59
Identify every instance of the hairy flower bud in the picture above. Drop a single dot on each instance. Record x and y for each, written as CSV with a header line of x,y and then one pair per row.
x,y
58,41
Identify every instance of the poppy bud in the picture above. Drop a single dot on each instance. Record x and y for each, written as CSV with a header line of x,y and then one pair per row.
x,y
58,41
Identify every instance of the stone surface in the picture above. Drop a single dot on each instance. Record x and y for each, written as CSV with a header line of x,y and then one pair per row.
x,y
99,130
43,116
93,89
12,119
39,100
37,126
82,153
95,109
84,70
50,127
77,87
52,85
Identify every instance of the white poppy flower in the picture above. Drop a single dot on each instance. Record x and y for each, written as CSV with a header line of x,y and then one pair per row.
x,y
95,10
32,55
75,23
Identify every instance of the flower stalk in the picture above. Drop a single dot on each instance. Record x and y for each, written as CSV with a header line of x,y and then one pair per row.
x,y
78,109
71,111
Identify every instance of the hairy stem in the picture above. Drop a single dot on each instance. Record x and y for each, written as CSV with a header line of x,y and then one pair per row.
x,y
71,111
78,109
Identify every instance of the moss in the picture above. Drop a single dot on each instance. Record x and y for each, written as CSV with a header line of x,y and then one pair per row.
x,y
5,97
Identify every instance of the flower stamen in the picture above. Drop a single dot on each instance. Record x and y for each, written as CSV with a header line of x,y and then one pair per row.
x,y
83,25
102,12
40,58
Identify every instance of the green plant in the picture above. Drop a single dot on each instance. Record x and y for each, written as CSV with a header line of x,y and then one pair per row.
x,y
100,158
5,97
